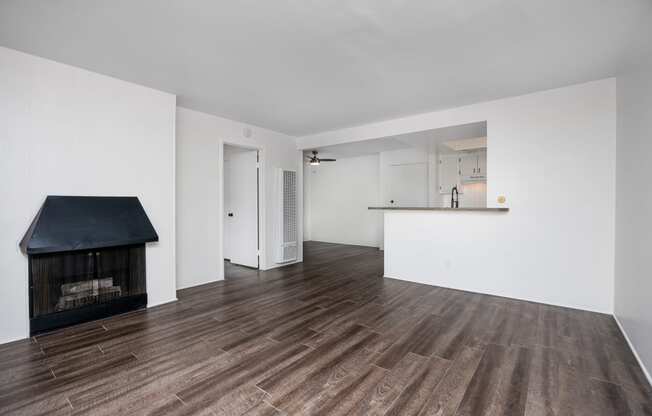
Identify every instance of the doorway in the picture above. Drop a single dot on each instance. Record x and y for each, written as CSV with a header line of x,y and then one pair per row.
x,y
241,207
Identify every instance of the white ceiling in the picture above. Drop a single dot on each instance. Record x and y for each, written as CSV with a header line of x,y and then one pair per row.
x,y
360,148
305,66
467,144
428,140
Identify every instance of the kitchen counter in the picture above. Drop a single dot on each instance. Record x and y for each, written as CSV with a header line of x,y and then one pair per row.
x,y
458,248
501,209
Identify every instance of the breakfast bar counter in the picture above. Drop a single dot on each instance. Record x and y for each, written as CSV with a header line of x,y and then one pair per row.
x,y
461,248
479,209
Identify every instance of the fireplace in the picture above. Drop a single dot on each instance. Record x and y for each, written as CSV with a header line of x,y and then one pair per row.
x,y
86,259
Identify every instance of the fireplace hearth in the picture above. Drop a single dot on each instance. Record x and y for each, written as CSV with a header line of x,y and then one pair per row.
x,y
86,259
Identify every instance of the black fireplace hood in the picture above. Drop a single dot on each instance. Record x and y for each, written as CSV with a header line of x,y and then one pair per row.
x,y
68,223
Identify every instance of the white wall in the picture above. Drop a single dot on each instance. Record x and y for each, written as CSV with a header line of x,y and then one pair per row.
x,y
339,195
545,150
633,210
67,131
200,138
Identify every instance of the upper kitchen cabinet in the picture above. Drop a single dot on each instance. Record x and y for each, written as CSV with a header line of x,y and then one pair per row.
x,y
473,166
482,164
468,165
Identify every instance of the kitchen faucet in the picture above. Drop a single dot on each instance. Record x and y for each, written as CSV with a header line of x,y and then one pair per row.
x,y
455,198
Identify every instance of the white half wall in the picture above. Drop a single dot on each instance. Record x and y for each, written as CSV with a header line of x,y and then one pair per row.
x,y
67,131
200,138
634,205
338,198
552,155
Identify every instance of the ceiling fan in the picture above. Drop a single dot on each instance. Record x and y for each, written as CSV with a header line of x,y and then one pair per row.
x,y
315,161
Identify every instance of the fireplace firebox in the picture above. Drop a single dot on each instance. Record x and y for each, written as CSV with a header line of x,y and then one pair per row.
x,y
86,259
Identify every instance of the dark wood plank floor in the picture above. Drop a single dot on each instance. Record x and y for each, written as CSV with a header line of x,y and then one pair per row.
x,y
329,337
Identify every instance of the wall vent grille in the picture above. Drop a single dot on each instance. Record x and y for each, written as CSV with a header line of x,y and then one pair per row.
x,y
288,250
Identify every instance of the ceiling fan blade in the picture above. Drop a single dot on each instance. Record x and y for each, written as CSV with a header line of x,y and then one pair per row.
x,y
327,160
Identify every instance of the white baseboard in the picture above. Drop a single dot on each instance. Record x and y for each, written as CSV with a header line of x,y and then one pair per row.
x,y
151,305
199,283
9,340
631,346
505,295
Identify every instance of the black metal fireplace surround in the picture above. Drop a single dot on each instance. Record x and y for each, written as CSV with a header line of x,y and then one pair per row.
x,y
86,259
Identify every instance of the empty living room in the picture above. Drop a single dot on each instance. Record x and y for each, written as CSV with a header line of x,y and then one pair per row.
x,y
390,207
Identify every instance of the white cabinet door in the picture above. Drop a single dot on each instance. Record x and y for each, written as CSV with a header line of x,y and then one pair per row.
x,y
448,173
408,185
482,164
468,166
473,166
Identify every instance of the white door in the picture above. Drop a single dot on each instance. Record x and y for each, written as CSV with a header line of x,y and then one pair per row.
x,y
242,214
226,237
408,185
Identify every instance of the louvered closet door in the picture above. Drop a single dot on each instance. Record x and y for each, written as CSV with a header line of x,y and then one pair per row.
x,y
288,248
